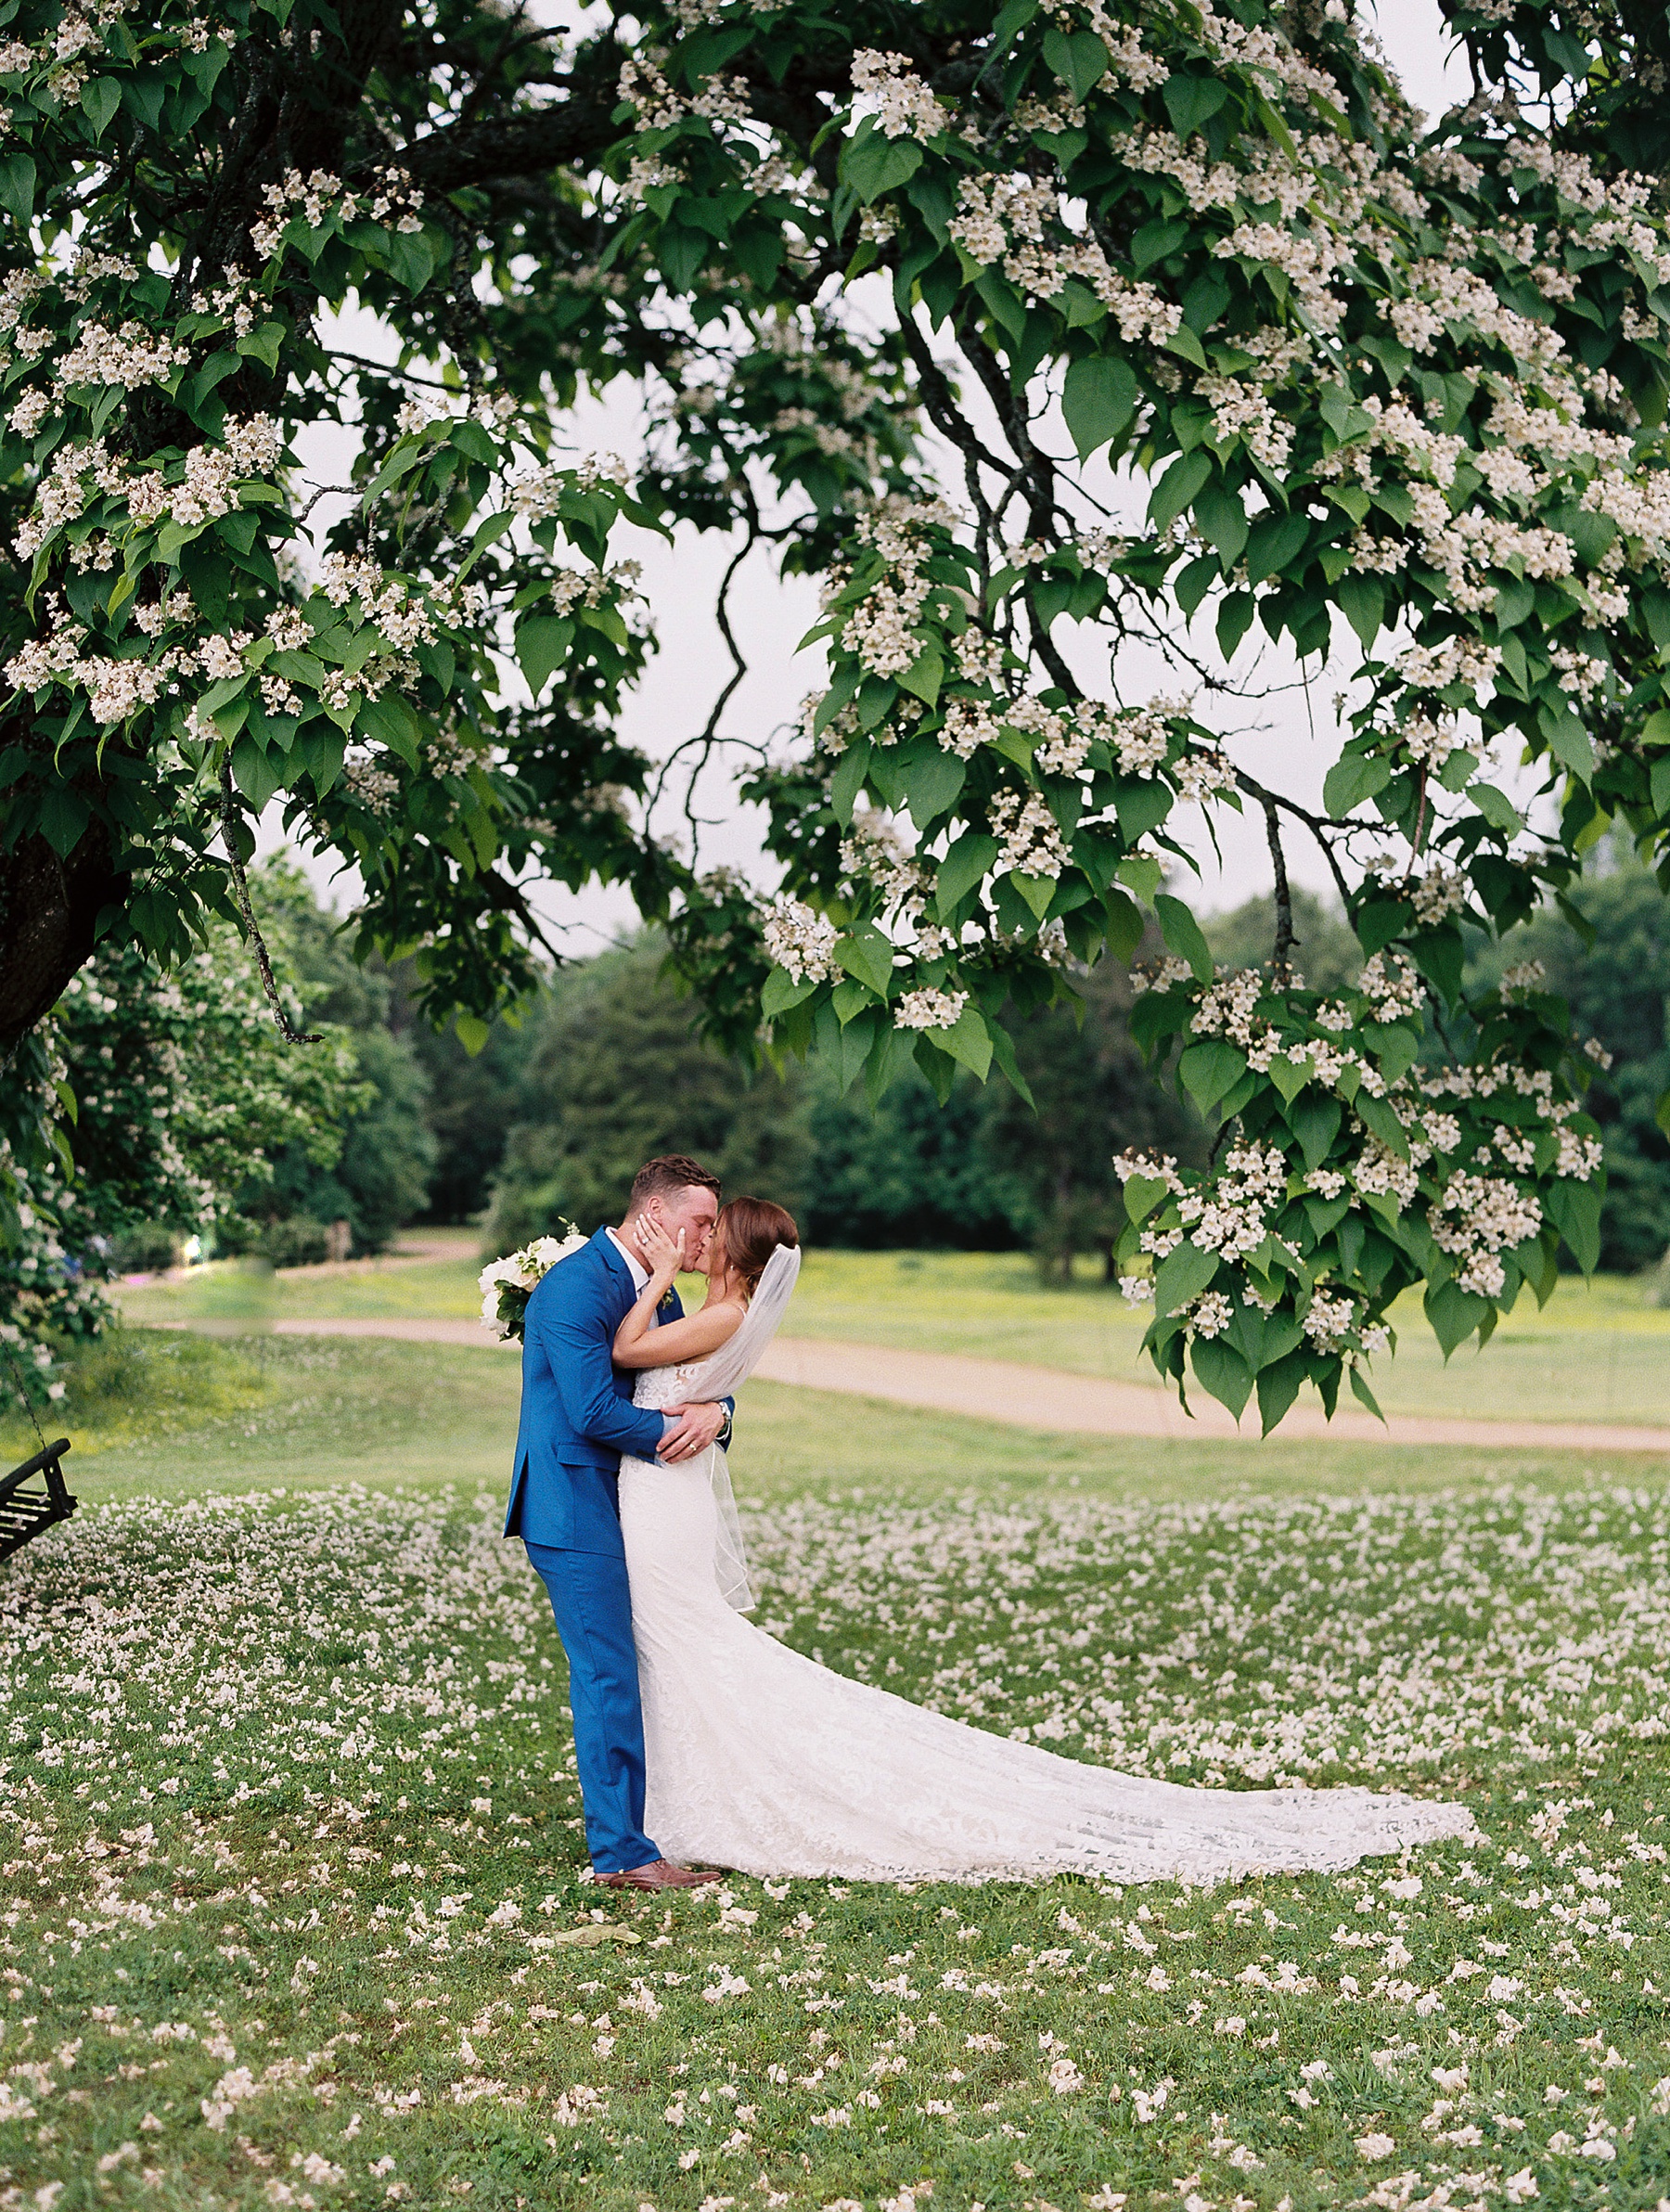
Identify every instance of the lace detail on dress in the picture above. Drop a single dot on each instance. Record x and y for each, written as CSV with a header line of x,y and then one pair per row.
x,y
663,1386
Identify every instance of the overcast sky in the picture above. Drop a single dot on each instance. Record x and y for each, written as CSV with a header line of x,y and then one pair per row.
x,y
1293,742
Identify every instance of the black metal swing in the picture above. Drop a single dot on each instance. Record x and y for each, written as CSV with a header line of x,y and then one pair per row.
x,y
24,1512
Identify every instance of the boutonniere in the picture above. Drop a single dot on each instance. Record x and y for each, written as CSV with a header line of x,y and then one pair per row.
x,y
666,1303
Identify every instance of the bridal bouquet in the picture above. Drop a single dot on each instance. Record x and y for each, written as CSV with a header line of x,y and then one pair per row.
x,y
508,1284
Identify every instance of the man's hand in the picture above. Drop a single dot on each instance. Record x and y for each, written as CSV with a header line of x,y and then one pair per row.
x,y
694,1429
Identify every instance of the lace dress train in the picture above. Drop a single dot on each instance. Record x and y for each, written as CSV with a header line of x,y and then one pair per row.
x,y
761,1760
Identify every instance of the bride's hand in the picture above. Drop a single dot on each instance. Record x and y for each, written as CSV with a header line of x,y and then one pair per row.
x,y
664,1254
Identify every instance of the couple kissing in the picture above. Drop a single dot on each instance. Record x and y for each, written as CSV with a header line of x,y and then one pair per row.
x,y
700,1738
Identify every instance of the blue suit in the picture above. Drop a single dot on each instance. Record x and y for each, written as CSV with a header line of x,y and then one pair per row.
x,y
577,1418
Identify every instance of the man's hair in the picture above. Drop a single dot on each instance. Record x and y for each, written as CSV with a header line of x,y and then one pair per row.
x,y
660,1178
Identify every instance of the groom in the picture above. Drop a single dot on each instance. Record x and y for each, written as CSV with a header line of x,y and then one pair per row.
x,y
577,1418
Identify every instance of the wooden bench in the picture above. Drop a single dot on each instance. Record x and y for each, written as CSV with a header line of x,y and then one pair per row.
x,y
24,1512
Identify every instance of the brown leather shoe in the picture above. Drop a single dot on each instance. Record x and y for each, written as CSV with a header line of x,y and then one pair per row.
x,y
660,1874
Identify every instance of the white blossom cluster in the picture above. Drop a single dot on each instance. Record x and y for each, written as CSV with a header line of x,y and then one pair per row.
x,y
127,357
251,449
879,629
904,106
1029,840
928,1008
800,940
1479,1218
1231,1217
574,587
391,199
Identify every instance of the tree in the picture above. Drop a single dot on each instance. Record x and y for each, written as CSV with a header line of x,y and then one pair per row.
x,y
474,1098
1617,986
1414,380
1088,1099
911,1171
376,1178
186,1101
1327,948
617,1074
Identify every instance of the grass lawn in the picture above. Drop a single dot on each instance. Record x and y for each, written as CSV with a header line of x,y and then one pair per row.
x,y
295,1912
1598,1352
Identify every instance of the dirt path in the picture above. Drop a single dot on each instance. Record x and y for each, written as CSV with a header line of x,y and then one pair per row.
x,y
1041,1397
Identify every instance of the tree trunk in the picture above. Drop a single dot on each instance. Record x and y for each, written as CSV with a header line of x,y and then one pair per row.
x,y
49,910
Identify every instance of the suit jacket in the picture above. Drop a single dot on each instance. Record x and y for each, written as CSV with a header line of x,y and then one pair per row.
x,y
577,1415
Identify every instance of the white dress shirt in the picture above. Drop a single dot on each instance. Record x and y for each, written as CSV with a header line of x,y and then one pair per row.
x,y
640,1281
640,1274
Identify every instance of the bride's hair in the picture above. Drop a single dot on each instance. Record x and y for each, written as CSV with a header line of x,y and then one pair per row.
x,y
752,1229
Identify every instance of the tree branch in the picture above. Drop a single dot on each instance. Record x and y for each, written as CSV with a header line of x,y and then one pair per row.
x,y
1282,967
229,829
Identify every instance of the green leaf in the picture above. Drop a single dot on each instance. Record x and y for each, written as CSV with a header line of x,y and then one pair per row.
x,y
1278,1387
1498,809
1182,934
542,644
1395,1046
782,992
1078,57
1220,514
1361,1391
100,98
1661,1113
1568,740
1183,343
473,1030
1191,101
1362,603
1574,1209
933,785
63,816
1037,890
411,259
262,345
1099,400
1352,779
17,185
1274,542
873,164
1290,1076
1183,1275
1454,1313
1235,619
848,781
1177,489
1223,1373
257,775
1142,1194
866,953
1125,923
393,724
1377,1117
1208,1071
923,677
964,865
968,1040
1315,1121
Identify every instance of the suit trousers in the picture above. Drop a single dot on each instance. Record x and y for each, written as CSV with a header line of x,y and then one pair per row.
x,y
592,1605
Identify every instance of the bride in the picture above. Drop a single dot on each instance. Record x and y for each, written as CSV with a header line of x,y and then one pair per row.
x,y
762,1761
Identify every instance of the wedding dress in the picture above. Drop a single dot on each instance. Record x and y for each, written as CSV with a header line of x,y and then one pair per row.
x,y
761,1760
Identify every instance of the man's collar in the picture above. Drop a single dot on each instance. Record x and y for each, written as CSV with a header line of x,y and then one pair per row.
x,y
640,1274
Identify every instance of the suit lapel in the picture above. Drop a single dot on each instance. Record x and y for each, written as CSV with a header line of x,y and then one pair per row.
x,y
618,1276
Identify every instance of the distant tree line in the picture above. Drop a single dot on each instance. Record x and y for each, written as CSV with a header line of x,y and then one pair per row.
x,y
549,1119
